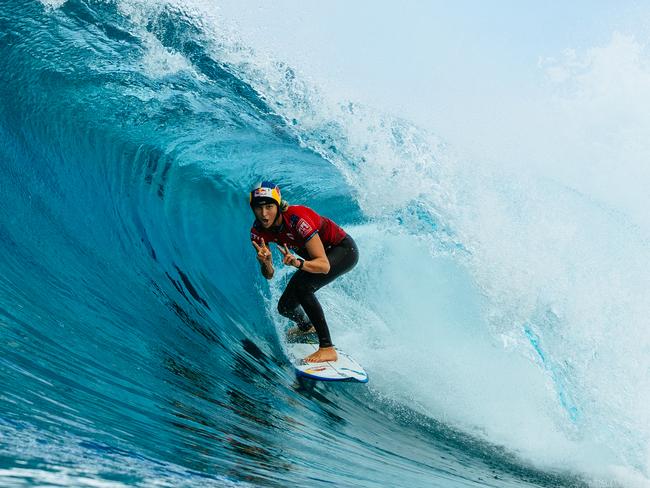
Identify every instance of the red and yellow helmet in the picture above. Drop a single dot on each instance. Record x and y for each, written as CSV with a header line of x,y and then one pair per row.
x,y
265,192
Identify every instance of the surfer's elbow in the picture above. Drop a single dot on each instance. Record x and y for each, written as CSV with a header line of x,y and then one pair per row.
x,y
325,267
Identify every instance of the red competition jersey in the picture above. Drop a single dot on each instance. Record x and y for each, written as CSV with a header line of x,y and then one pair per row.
x,y
299,224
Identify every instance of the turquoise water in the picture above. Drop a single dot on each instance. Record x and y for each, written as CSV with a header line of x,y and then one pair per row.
x,y
138,343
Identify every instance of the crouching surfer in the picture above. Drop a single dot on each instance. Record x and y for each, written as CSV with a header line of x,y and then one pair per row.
x,y
325,252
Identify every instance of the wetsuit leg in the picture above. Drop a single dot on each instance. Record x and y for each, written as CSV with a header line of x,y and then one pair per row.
x,y
303,285
289,306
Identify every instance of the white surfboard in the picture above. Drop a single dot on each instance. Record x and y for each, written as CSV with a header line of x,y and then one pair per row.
x,y
343,369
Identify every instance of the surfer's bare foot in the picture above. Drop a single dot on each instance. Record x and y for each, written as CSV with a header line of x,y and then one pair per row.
x,y
323,354
298,332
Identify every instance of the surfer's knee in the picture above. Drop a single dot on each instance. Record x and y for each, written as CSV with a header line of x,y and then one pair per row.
x,y
287,304
283,309
306,289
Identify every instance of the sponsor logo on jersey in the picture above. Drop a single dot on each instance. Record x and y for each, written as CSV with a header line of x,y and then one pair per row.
x,y
304,229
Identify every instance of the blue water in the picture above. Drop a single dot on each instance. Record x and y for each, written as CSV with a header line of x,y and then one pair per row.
x,y
138,342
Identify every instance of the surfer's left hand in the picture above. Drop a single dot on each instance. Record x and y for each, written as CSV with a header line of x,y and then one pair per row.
x,y
287,257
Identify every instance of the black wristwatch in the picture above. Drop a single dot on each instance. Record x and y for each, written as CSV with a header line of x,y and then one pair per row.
x,y
302,262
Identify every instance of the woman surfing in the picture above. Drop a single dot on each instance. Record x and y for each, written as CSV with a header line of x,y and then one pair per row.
x,y
325,252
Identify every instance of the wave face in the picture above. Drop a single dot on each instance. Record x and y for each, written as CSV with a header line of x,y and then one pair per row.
x,y
139,344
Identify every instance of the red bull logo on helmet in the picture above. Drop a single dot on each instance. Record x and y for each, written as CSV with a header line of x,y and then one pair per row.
x,y
263,192
266,190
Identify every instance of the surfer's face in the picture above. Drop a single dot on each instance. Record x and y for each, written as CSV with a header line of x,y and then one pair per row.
x,y
266,214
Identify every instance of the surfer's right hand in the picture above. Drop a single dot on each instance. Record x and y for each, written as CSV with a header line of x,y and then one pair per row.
x,y
264,255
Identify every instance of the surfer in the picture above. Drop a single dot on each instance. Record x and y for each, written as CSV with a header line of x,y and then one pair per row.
x,y
325,252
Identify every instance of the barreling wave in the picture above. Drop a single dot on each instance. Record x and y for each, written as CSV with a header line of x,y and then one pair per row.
x,y
136,343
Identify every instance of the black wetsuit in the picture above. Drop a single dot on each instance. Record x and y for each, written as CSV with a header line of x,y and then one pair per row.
x,y
299,302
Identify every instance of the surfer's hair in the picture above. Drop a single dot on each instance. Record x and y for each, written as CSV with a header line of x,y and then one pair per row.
x,y
284,205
